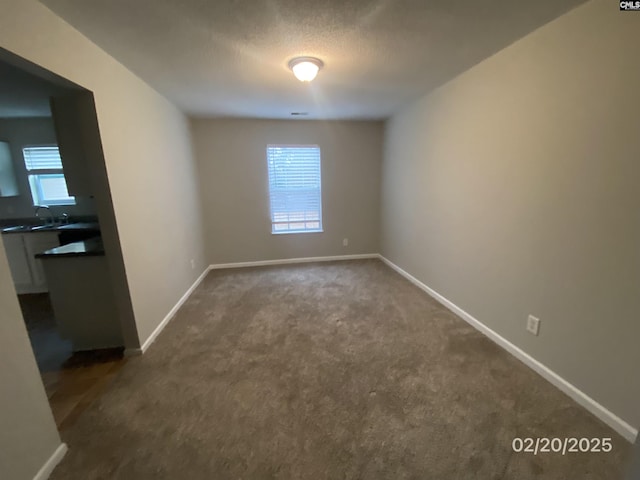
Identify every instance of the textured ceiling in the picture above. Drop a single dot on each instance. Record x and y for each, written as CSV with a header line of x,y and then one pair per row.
x,y
229,57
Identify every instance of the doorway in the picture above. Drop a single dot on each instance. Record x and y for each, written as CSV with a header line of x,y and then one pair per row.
x,y
58,231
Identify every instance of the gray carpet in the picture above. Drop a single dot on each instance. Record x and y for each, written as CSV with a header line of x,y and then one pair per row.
x,y
326,371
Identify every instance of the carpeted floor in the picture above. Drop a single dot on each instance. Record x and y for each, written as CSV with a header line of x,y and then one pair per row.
x,y
326,371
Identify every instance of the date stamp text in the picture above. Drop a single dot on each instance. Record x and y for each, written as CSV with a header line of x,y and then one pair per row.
x,y
563,446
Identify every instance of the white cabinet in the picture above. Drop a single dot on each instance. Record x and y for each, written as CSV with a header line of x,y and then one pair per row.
x,y
18,261
34,243
8,184
73,117
26,270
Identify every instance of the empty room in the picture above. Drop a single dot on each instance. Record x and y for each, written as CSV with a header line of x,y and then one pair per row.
x,y
336,239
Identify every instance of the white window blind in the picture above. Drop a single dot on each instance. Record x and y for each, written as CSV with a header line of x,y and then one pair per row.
x,y
46,177
295,190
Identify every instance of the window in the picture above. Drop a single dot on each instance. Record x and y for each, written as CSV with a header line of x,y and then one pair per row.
x,y
295,192
46,178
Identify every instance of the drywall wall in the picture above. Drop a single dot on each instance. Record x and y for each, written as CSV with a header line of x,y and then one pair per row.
x,y
232,165
23,132
513,190
147,150
28,436
156,211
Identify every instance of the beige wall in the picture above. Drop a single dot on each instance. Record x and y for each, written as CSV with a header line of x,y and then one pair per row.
x,y
23,132
28,435
513,190
147,148
232,166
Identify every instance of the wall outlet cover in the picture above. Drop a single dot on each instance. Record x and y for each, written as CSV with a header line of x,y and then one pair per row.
x,y
533,325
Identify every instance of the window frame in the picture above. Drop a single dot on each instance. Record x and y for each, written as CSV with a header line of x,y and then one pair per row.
x,y
320,228
34,179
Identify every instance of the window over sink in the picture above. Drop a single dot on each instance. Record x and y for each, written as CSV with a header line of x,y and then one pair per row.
x,y
46,176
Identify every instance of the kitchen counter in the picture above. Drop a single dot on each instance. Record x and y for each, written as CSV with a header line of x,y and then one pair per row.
x,y
79,226
81,294
70,227
85,248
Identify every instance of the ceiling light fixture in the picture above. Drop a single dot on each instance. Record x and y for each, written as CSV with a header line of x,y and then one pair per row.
x,y
305,68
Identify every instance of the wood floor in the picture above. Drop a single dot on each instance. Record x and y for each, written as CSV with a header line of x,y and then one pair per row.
x,y
71,380
74,387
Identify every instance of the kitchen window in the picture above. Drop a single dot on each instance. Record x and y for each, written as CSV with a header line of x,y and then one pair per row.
x,y
46,177
295,190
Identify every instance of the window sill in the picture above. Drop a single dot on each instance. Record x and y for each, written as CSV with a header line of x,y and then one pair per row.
x,y
296,232
55,204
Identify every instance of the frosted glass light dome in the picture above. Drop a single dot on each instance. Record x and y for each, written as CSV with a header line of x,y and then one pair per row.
x,y
305,68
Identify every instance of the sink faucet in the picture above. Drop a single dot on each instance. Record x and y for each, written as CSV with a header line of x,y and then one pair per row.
x,y
52,219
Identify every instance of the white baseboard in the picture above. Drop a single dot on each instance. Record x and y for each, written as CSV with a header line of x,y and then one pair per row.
x,y
615,422
285,261
132,352
49,465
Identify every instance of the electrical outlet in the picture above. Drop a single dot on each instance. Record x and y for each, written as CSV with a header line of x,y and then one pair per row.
x,y
193,264
533,325
345,242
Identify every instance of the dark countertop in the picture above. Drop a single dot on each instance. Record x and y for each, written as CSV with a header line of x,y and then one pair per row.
x,y
77,226
84,248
